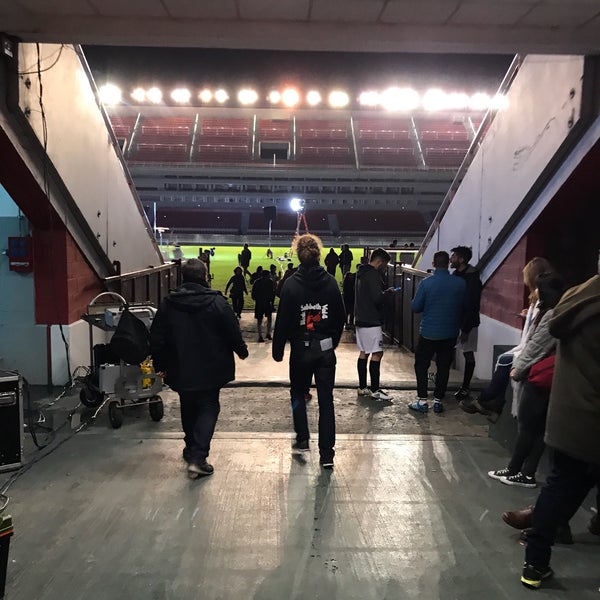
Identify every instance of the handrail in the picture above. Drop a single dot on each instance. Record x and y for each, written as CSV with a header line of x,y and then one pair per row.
x,y
140,273
469,156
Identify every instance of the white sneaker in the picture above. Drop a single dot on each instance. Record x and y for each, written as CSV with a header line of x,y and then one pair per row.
x,y
363,391
381,395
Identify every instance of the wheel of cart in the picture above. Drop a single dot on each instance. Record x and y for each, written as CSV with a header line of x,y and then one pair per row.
x,y
115,413
156,408
90,395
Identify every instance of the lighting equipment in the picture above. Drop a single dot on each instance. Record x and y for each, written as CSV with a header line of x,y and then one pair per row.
x,y
290,97
205,96
110,94
313,98
154,95
247,96
181,95
297,204
139,94
221,96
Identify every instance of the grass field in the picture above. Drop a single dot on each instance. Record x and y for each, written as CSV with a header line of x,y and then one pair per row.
x,y
225,260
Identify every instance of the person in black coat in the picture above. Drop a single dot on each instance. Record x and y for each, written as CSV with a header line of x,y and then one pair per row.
x,y
311,317
263,294
192,341
238,288
331,261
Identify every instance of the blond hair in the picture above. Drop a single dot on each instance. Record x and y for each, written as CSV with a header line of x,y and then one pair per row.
x,y
308,249
536,266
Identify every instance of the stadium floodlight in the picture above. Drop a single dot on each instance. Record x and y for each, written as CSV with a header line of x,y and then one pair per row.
x,y
139,94
221,96
110,94
247,96
457,101
480,101
499,102
154,95
290,97
400,99
370,98
274,97
313,98
297,204
205,96
435,100
338,99
181,95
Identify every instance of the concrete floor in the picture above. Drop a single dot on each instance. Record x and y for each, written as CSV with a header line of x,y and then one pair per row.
x,y
408,512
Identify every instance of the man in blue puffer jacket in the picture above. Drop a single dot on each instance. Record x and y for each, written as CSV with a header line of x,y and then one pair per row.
x,y
443,300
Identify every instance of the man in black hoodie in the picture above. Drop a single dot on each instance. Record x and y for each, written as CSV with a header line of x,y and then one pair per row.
x,y
192,341
311,316
467,341
368,319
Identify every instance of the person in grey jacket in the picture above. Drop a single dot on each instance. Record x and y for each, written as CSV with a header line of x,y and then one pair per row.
x,y
533,404
573,424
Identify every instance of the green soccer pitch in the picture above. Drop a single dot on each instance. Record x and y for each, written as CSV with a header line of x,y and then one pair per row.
x,y
225,260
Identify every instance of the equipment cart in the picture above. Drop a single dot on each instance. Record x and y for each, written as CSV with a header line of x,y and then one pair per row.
x,y
110,379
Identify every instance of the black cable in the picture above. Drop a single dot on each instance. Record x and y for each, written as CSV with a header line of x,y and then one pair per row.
x,y
38,70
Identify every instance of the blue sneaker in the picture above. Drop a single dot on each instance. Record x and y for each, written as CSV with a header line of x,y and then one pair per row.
x,y
438,407
419,405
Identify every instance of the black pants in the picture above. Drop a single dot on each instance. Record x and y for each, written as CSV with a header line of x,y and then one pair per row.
x,y
301,373
199,412
494,396
237,302
565,489
444,354
529,447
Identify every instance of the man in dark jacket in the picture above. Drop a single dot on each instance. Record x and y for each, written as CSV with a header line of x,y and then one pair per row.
x,y
192,341
368,320
331,261
245,258
572,426
263,294
467,341
346,258
442,300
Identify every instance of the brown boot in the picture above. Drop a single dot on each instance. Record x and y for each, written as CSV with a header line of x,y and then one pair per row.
x,y
519,519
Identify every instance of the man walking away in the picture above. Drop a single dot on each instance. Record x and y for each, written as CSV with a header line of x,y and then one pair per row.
x,y
192,341
442,300
263,294
245,257
238,288
572,426
331,261
459,261
368,319
346,258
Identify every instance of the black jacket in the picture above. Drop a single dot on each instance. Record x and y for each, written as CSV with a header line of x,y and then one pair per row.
x,y
369,299
263,292
193,337
471,317
311,308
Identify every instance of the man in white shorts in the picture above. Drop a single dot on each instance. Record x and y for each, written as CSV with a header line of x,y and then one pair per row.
x,y
368,319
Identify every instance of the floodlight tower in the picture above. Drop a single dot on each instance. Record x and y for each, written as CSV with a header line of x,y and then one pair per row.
x,y
298,206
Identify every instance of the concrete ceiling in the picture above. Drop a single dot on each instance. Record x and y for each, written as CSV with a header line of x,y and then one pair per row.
x,y
461,26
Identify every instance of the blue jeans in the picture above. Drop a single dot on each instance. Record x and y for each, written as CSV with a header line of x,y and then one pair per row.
x,y
494,396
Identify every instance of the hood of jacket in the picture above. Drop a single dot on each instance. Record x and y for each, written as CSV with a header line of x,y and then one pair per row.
x,y
577,306
364,271
312,277
192,297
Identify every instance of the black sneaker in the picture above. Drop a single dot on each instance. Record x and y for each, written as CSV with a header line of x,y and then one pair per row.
x,y
462,393
500,474
532,577
594,525
260,339
519,480
196,470
302,446
269,337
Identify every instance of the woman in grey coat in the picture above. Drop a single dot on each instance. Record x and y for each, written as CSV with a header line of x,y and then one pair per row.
x,y
533,401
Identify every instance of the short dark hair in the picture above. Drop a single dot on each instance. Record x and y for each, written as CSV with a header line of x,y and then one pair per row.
x,y
194,271
464,252
381,254
441,260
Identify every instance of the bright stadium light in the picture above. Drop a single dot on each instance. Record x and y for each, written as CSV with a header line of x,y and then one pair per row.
x,y
499,102
435,100
274,97
139,94
457,101
247,96
205,96
313,98
154,95
290,97
221,96
297,204
370,98
400,99
480,101
181,95
338,99
110,94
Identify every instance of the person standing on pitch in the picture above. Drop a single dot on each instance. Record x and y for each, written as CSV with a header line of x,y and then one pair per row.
x,y
442,300
368,321
467,341
311,316
245,257
192,340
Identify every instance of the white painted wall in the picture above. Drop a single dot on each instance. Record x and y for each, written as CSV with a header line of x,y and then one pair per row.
x,y
81,149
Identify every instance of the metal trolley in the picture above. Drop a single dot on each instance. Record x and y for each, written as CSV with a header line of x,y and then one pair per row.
x,y
109,378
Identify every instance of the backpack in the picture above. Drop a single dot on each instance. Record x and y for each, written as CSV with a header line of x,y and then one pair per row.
x,y
131,339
